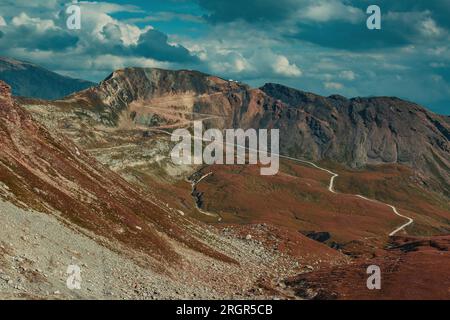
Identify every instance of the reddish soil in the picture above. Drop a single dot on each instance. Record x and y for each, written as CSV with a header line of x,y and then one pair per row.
x,y
413,268
400,186
298,200
307,252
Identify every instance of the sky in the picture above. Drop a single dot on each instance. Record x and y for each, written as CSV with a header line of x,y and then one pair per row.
x,y
322,46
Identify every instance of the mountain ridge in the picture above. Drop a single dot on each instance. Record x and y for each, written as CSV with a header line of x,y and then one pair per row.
x,y
30,80
355,132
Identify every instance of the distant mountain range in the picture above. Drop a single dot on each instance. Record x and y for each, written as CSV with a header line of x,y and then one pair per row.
x,y
29,80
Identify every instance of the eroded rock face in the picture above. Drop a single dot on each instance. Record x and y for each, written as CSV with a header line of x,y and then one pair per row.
x,y
123,87
363,131
354,132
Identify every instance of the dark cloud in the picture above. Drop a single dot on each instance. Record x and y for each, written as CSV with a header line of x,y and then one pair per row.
x,y
52,39
275,11
438,9
151,44
339,23
154,44
31,33
343,35
249,10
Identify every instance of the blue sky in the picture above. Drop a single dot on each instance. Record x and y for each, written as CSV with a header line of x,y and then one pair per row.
x,y
321,46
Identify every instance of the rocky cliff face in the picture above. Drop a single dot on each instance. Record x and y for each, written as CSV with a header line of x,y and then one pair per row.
x,y
363,131
354,132
126,86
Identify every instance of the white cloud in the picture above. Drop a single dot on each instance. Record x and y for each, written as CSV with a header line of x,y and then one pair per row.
x,y
418,25
103,43
240,64
2,22
429,28
111,62
168,16
282,66
347,75
229,62
105,7
48,4
438,65
324,11
41,25
333,85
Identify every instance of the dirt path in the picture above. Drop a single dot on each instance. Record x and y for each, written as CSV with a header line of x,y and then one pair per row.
x,y
331,184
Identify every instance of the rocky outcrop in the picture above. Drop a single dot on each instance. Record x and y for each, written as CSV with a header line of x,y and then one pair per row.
x,y
123,87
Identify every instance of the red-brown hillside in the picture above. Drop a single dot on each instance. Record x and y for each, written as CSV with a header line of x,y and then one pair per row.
x,y
48,172
413,268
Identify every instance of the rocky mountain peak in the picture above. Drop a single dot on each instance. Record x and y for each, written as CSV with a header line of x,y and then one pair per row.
x,y
289,95
125,86
154,80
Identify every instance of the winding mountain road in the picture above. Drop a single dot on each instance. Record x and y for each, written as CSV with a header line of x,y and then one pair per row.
x,y
331,189
334,175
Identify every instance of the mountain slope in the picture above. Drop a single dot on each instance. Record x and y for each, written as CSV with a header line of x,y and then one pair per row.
x,y
29,80
363,131
355,132
399,265
48,172
120,122
60,206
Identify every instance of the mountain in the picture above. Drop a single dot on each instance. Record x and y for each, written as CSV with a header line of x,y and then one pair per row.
x,y
29,80
355,132
362,131
218,215
49,172
60,206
